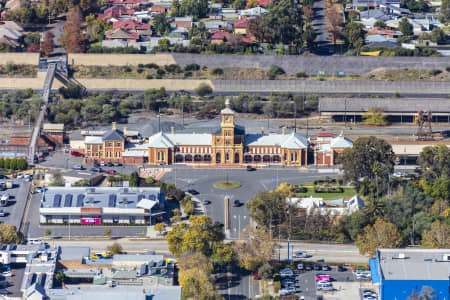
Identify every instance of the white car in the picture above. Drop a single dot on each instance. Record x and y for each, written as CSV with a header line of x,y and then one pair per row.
x,y
300,255
34,241
7,274
287,291
19,176
286,272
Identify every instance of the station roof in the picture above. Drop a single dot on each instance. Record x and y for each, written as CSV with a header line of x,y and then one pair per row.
x,y
404,105
288,141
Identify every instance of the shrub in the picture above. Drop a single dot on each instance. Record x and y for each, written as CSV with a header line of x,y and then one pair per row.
x,y
148,77
172,68
447,69
152,66
217,71
115,248
188,74
276,70
301,75
276,286
141,66
160,72
127,69
203,89
435,72
140,70
192,67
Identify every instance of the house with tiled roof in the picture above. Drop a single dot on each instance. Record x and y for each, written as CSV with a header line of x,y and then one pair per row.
x,y
185,22
114,13
129,30
10,33
219,37
253,12
241,26
127,3
122,35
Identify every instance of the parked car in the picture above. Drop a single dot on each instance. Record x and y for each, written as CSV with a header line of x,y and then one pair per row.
x,y
287,291
102,164
193,192
308,267
96,164
99,170
316,267
300,254
287,282
7,274
286,272
250,168
206,202
2,213
100,256
34,241
256,275
111,172
116,164
325,268
300,267
236,203
321,277
324,286
40,190
77,167
340,268
109,164
19,176
75,153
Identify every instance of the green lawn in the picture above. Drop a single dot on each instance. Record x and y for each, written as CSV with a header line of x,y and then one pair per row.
x,y
227,184
347,194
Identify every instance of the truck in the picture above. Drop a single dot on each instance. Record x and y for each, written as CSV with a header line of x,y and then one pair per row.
x,y
4,199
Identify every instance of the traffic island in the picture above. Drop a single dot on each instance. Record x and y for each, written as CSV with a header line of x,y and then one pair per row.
x,y
226,185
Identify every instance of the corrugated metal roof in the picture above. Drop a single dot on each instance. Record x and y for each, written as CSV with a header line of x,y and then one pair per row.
x,y
341,142
289,141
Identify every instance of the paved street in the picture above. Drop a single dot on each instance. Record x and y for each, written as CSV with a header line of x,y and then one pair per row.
x,y
17,202
203,180
346,253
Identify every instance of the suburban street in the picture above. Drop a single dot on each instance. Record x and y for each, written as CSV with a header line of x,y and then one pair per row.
x,y
320,27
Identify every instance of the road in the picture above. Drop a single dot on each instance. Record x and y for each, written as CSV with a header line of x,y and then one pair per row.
x,y
203,180
17,202
328,252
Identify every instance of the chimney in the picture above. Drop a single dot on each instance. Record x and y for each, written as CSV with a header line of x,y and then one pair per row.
x,y
262,130
283,130
172,129
124,131
113,125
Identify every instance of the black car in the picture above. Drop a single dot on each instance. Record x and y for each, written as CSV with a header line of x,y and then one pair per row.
x,y
250,168
317,267
236,203
109,164
193,192
96,164
2,176
99,170
340,268
206,202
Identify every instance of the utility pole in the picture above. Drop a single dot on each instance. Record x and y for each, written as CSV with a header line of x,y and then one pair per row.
x,y
295,117
345,112
182,111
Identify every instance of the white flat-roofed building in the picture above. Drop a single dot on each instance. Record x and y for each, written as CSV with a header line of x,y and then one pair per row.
x,y
101,205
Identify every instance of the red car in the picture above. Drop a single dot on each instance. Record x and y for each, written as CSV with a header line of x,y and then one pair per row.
x,y
74,153
111,172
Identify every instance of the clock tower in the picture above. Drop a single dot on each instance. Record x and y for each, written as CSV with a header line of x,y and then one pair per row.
x,y
228,143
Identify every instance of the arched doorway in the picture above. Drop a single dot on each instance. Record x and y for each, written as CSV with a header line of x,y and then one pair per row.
x,y
179,158
218,158
276,158
247,158
188,158
257,158
207,157
236,158
266,158
197,157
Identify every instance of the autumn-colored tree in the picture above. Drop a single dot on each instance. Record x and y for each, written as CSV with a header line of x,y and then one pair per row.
x,y
9,235
160,227
195,277
381,235
256,250
438,236
222,253
335,22
73,39
252,3
47,45
257,29
375,117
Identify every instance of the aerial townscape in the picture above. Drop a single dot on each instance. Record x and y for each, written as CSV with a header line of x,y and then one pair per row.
x,y
224,149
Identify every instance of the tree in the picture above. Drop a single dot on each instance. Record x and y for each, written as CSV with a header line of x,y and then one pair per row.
x,y
239,4
268,208
96,27
438,35
405,27
369,159
58,180
438,236
381,235
309,36
335,22
203,89
195,277
134,179
198,236
9,234
252,3
222,253
114,248
189,208
160,227
375,117
256,250
444,16
380,24
47,45
59,277
161,24
354,35
73,39
434,163
107,232
265,271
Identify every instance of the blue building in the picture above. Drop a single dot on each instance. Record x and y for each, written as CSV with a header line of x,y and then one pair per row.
x,y
402,272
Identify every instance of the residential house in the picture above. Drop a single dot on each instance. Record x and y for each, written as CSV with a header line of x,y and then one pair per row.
x,y
230,13
388,33
378,38
158,9
122,35
219,37
130,31
12,4
253,12
185,22
114,13
127,3
328,149
241,27
374,3
216,25
10,33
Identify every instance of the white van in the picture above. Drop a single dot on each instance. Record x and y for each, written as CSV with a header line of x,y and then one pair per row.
x,y
4,199
324,286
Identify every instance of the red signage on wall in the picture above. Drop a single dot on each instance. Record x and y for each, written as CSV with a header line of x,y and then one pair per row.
x,y
90,220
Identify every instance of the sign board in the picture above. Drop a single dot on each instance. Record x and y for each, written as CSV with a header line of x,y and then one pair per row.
x,y
95,221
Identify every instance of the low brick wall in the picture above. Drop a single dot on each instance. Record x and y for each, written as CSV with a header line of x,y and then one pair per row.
x,y
120,59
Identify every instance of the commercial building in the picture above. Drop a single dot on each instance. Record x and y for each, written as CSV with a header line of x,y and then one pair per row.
x,y
226,144
101,205
402,272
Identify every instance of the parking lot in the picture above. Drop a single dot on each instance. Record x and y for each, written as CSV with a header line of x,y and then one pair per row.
x,y
17,201
344,284
14,282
